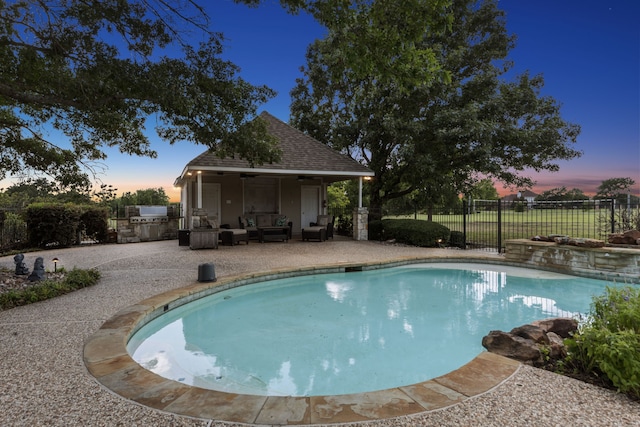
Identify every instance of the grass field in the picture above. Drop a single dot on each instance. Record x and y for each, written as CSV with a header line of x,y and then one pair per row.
x,y
482,226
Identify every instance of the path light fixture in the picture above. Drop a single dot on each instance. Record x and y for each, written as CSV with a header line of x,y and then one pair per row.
x,y
55,264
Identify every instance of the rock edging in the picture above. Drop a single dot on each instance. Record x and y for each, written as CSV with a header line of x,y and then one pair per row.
x,y
533,344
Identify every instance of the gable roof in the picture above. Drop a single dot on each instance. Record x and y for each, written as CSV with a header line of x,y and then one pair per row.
x,y
301,155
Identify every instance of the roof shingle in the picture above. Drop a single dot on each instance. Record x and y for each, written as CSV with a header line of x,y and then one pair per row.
x,y
300,152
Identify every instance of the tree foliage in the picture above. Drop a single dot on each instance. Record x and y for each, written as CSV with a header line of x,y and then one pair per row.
x,y
147,196
422,131
337,197
615,188
36,190
562,194
93,72
483,190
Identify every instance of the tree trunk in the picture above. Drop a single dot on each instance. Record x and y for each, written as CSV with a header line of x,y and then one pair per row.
x,y
375,204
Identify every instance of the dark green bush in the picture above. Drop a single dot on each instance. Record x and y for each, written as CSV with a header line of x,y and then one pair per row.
x,y
54,224
50,224
344,225
609,342
14,232
457,240
375,230
40,291
94,222
410,231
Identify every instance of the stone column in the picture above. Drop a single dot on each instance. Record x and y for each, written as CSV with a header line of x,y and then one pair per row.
x,y
361,224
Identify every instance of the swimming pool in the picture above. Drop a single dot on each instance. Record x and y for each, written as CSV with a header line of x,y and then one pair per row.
x,y
339,333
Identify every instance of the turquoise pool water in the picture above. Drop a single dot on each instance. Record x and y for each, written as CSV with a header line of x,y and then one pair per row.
x,y
353,332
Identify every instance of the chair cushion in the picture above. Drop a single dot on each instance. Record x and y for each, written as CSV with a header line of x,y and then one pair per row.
x,y
323,220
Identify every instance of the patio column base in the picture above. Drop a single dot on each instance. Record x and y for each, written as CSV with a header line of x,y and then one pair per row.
x,y
361,224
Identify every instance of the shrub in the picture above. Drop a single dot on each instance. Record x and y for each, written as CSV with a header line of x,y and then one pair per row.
x,y
93,222
14,231
52,224
409,231
609,342
375,230
457,240
40,291
344,225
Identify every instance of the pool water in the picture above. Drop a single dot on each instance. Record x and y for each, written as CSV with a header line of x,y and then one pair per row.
x,y
346,333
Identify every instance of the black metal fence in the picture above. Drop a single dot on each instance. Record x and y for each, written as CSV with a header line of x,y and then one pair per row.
x,y
486,224
483,224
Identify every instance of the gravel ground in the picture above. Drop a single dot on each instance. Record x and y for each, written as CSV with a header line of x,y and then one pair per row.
x,y
44,381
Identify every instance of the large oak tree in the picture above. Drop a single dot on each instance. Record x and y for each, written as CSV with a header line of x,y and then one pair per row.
x,y
77,76
430,127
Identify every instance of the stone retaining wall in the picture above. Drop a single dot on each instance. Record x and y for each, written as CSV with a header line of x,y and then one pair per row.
x,y
608,263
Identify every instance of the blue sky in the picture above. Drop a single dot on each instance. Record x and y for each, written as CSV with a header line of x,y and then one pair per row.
x,y
587,50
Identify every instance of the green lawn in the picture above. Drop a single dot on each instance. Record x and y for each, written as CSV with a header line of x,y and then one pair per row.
x,y
482,226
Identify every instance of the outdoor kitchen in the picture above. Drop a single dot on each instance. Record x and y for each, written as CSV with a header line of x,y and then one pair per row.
x,y
148,223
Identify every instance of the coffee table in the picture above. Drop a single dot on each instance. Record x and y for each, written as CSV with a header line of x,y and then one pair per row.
x,y
273,233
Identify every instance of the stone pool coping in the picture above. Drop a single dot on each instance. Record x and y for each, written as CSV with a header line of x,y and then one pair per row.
x,y
106,358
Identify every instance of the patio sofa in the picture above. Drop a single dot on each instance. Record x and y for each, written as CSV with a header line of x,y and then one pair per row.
x,y
251,222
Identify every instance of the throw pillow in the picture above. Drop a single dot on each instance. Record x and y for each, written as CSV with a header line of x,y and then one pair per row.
x,y
281,221
251,222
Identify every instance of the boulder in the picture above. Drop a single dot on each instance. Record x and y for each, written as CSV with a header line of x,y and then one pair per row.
x,y
630,237
586,243
542,239
512,346
563,326
557,350
535,344
531,332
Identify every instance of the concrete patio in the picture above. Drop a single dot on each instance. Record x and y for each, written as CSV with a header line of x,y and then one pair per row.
x,y
45,381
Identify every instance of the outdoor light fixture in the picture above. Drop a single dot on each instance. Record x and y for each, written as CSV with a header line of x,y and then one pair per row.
x,y
55,264
206,272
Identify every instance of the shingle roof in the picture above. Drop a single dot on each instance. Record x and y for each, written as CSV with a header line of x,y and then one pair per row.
x,y
300,154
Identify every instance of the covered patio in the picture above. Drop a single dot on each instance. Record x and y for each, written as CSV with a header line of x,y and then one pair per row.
x,y
295,187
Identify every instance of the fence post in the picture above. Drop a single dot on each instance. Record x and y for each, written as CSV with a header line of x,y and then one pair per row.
x,y
499,226
613,216
464,224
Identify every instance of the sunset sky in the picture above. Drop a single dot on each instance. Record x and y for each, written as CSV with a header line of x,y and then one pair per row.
x,y
587,50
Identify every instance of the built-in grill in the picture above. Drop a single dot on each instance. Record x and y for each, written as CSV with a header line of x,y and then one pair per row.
x,y
145,223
